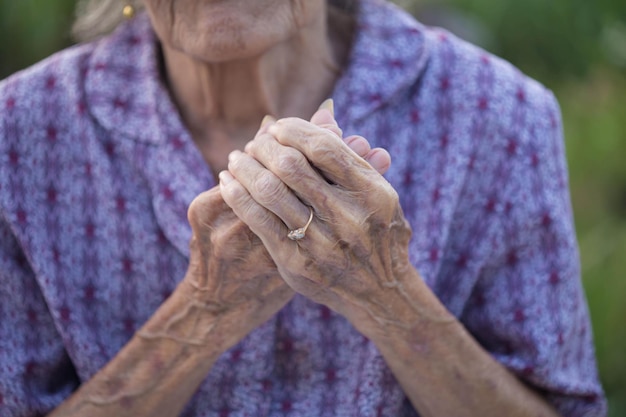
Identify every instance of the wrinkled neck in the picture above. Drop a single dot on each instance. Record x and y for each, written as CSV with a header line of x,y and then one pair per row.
x,y
289,79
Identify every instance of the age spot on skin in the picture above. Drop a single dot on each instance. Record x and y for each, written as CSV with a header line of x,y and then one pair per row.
x,y
418,340
157,364
420,347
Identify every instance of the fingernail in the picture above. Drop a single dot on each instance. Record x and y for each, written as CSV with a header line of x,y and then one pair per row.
x,y
329,105
267,120
225,177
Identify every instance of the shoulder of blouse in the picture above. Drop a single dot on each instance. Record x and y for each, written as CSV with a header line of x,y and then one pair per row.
x,y
38,105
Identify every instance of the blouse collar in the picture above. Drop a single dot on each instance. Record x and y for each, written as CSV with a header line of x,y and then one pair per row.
x,y
126,95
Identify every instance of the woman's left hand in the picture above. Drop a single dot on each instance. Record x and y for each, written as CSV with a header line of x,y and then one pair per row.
x,y
356,247
354,259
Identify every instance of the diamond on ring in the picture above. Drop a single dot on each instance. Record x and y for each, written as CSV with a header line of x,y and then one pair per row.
x,y
297,234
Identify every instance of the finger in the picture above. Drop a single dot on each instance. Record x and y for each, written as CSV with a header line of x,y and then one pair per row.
x,y
294,170
204,206
325,117
263,223
266,189
330,155
358,144
379,159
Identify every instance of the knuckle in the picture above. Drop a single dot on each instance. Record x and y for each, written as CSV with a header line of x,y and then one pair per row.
x,y
268,188
271,191
248,211
274,198
202,206
235,194
291,129
336,130
289,163
260,142
391,194
193,213
324,152
265,219
386,198
239,165
291,122
258,219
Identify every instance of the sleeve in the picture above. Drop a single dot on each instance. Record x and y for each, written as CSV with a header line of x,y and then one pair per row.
x,y
528,306
36,373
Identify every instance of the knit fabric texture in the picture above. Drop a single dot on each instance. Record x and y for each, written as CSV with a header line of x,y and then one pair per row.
x,y
97,171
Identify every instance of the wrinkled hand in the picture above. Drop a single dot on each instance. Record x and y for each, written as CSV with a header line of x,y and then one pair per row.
x,y
357,243
231,273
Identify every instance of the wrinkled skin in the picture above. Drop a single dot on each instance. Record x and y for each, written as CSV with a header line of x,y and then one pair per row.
x,y
243,269
357,243
221,31
231,272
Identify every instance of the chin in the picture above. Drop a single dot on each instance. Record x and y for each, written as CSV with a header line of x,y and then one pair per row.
x,y
222,50
225,43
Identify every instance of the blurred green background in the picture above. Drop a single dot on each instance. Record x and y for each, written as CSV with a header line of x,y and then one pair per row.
x,y
575,47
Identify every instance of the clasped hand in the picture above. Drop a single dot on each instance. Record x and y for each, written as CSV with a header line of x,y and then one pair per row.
x,y
244,266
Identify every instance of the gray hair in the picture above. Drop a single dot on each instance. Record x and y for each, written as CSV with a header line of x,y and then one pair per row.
x,y
96,18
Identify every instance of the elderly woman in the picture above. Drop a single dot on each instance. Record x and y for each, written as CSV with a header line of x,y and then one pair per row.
x,y
313,285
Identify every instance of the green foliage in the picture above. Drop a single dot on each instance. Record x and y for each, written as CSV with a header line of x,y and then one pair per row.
x,y
576,47
595,127
32,29
551,38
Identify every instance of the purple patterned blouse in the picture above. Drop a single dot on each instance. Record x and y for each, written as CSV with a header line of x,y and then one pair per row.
x,y
97,170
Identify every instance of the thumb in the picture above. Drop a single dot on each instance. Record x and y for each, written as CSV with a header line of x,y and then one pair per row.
x,y
325,117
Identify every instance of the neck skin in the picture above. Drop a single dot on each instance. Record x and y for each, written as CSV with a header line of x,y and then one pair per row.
x,y
223,103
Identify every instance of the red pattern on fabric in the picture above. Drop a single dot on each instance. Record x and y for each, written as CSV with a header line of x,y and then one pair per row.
x,y
97,170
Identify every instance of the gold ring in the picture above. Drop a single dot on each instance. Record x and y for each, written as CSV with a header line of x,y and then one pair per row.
x,y
298,234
